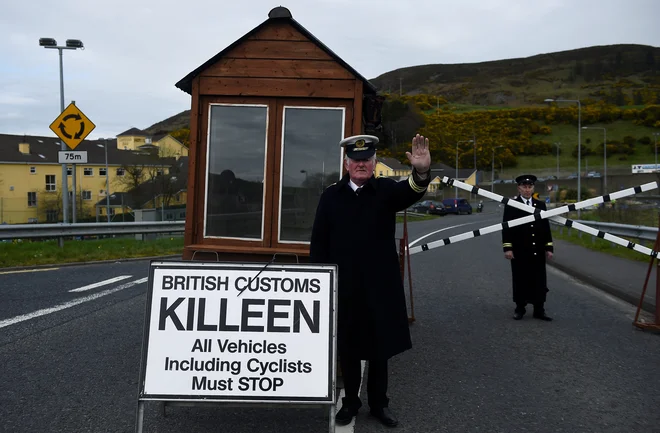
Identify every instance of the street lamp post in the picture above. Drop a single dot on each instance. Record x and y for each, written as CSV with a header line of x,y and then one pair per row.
x,y
557,145
71,44
456,177
579,186
107,179
604,155
492,175
655,149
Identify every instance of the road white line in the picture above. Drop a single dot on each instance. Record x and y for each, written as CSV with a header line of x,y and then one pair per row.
x,y
39,313
22,271
348,428
441,230
100,283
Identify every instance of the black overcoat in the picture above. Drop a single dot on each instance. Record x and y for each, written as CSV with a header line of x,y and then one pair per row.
x,y
357,233
529,242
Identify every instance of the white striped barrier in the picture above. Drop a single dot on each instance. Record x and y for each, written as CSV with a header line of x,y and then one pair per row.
x,y
538,214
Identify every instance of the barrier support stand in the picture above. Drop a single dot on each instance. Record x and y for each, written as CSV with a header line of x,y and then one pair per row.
x,y
404,257
654,260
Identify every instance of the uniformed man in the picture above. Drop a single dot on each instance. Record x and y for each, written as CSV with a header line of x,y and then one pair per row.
x,y
527,246
354,228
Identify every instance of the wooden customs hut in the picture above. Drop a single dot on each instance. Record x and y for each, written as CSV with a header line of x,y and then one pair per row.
x,y
267,116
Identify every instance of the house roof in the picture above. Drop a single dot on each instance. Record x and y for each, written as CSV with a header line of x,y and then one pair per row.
x,y
393,163
44,150
277,15
133,131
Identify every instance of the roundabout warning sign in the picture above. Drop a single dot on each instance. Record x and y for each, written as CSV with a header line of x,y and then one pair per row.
x,y
72,126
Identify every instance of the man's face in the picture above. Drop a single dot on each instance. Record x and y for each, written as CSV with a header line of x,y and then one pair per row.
x,y
360,171
525,190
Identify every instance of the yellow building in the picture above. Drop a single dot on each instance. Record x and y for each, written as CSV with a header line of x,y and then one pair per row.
x,y
31,176
390,167
136,139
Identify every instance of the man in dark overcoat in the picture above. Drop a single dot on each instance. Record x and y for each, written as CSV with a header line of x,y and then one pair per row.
x,y
527,246
354,228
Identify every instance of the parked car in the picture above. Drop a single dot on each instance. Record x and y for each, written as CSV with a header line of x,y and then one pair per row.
x,y
429,207
593,174
457,206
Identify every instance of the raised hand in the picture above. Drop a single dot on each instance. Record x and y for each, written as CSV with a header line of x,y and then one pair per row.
x,y
420,157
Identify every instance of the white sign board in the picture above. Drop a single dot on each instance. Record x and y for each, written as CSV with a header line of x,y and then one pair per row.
x,y
72,157
239,332
645,168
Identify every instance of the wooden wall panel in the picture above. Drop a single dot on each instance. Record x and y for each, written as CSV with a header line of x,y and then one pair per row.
x,y
279,32
277,87
280,68
259,49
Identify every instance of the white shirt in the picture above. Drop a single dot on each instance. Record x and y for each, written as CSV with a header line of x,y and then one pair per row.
x,y
354,186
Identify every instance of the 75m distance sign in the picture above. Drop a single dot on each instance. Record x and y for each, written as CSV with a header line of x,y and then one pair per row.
x,y
71,157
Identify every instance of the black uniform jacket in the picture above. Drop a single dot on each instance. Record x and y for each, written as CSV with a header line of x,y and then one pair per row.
x,y
357,233
529,242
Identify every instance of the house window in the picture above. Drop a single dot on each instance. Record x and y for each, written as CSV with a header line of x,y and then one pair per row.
x,y
309,165
50,182
177,198
33,170
120,172
32,199
235,178
182,215
88,172
51,216
381,173
159,172
102,171
86,195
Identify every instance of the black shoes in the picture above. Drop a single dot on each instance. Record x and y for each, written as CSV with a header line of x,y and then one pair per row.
x,y
385,416
518,316
543,317
345,415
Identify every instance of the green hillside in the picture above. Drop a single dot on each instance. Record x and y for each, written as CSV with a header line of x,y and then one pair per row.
x,y
617,74
500,105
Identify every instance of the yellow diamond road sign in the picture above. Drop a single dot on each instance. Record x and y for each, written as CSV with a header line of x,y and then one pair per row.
x,y
72,126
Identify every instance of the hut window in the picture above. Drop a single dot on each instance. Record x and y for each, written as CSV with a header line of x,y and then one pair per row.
x,y
236,171
311,160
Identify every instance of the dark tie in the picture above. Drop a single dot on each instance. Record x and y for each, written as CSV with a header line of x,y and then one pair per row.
x,y
357,191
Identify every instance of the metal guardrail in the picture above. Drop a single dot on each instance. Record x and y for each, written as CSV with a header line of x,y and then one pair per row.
x,y
625,230
26,231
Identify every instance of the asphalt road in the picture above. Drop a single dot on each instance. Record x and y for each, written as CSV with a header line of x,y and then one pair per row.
x,y
70,360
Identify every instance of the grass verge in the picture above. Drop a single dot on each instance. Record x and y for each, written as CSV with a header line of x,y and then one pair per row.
x,y
593,243
48,252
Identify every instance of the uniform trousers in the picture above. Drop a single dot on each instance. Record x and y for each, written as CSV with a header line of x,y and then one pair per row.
x,y
351,369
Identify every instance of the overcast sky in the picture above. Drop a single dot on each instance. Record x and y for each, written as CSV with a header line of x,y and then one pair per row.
x,y
137,50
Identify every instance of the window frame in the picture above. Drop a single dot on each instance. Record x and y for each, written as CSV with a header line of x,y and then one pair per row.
x,y
281,162
272,182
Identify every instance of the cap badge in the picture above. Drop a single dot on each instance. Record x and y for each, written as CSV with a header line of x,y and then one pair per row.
x,y
359,143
